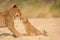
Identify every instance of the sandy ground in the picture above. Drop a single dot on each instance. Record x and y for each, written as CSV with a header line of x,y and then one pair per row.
x,y
51,25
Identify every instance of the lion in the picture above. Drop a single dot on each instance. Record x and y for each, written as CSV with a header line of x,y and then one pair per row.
x,y
7,19
30,29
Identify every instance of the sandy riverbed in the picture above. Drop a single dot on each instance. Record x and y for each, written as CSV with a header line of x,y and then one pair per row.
x,y
51,25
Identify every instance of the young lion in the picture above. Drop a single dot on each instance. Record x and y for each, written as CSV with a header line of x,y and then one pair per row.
x,y
7,19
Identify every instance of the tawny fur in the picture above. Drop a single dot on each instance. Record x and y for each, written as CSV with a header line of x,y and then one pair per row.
x,y
30,29
7,19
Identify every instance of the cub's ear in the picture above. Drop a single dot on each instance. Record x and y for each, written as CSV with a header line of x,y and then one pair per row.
x,y
15,6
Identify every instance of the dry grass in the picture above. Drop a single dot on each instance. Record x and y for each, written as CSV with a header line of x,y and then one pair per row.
x,y
35,9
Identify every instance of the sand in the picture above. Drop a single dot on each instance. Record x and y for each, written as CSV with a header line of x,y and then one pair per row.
x,y
51,25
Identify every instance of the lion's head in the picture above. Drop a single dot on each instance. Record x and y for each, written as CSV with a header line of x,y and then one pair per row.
x,y
14,11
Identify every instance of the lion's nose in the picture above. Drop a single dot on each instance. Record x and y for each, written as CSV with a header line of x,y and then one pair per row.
x,y
17,15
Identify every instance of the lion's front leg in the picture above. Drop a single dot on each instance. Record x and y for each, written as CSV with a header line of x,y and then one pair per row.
x,y
10,25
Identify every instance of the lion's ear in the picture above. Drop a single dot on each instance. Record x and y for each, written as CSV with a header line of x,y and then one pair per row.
x,y
15,6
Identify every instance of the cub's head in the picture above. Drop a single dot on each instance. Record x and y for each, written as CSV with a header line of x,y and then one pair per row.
x,y
14,11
